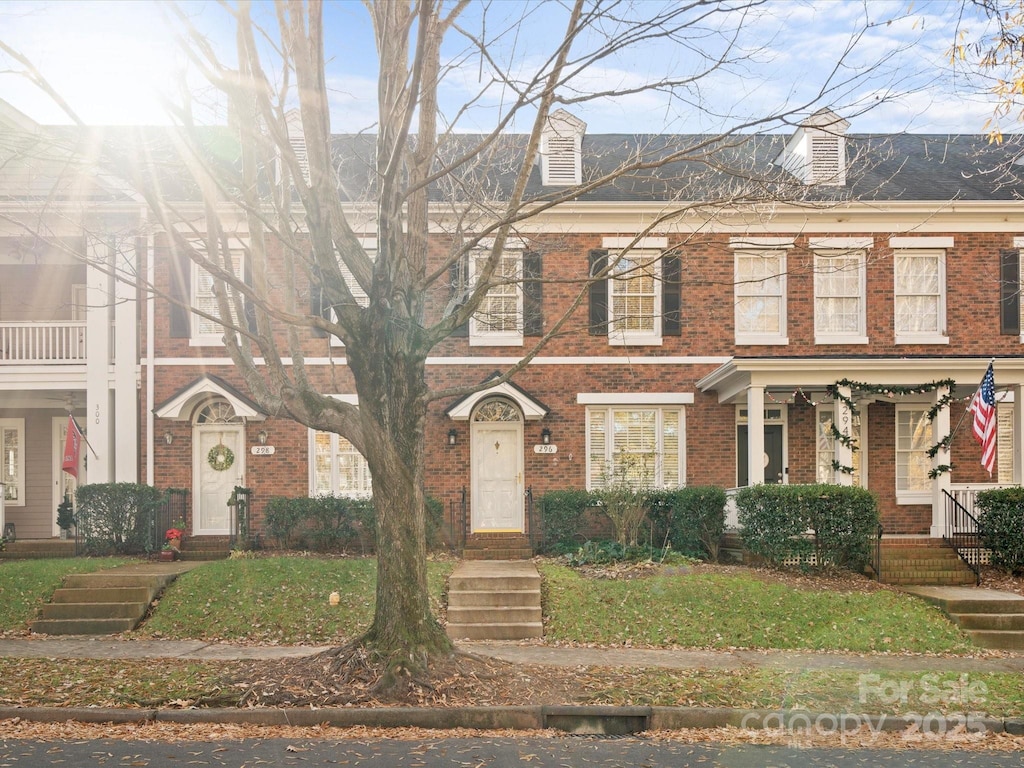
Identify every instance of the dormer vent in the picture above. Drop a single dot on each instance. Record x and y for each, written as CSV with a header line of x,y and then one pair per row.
x,y
297,140
561,150
816,153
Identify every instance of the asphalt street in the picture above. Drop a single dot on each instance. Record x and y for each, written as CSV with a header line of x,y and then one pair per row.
x,y
483,752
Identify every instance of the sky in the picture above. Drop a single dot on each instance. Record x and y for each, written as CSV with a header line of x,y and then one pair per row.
x,y
114,60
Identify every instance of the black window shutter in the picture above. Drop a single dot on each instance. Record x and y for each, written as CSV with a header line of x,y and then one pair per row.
x,y
598,260
180,267
671,274
1009,291
316,300
533,292
248,306
458,283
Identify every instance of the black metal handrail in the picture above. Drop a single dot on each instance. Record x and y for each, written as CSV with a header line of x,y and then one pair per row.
x,y
962,534
240,505
529,516
458,513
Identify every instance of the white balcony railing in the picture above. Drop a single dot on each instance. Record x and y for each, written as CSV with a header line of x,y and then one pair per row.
x,y
42,343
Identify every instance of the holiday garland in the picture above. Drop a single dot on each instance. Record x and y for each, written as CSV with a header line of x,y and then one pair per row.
x,y
837,392
220,457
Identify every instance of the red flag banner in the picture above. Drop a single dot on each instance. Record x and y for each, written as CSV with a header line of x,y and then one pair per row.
x,y
72,448
983,408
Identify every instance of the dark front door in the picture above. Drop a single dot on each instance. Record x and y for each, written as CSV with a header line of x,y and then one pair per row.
x,y
773,470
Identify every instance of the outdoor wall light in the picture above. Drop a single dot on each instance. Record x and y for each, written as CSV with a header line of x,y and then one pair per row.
x,y
545,436
452,436
262,437
168,437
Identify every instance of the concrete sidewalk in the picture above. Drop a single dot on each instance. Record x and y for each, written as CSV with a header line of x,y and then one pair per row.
x,y
83,647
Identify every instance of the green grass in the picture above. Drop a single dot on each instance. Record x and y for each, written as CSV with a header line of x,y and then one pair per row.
x,y
25,585
275,600
736,611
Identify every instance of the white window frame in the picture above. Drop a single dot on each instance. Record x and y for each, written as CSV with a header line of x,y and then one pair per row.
x,y
938,335
479,334
18,427
362,297
662,412
763,248
338,447
648,262
199,338
907,495
821,270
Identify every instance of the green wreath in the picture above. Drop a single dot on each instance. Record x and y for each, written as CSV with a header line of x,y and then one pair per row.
x,y
220,457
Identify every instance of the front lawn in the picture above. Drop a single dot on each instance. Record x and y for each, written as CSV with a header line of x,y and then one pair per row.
x,y
738,609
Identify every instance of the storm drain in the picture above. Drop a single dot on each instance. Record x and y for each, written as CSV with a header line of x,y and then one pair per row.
x,y
597,721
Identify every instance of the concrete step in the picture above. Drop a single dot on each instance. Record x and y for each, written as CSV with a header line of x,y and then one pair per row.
x,y
83,626
94,610
102,595
116,578
1005,640
495,631
487,598
999,621
498,614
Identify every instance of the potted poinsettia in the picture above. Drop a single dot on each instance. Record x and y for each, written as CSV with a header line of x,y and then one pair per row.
x,y
174,537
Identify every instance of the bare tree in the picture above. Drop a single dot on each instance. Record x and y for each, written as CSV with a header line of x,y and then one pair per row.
x,y
435,196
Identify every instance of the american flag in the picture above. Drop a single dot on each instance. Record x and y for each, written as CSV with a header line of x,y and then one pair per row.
x,y
984,409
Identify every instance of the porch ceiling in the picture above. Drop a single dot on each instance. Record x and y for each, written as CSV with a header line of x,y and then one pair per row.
x,y
731,380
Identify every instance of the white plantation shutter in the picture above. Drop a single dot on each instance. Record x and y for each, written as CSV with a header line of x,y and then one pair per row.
x,y
639,446
598,450
1004,441
205,300
669,459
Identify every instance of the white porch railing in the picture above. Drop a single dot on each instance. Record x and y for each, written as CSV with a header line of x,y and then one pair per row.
x,y
966,493
42,343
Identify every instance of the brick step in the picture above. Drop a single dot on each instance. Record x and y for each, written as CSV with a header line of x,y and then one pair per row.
x,y
496,583
495,631
94,610
38,549
1003,622
497,554
938,581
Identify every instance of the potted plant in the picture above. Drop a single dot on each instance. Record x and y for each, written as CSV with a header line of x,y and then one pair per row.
x,y
174,537
65,516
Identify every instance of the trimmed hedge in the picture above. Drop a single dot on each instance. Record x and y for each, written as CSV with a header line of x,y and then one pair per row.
x,y
117,518
334,523
834,522
1001,526
562,514
692,519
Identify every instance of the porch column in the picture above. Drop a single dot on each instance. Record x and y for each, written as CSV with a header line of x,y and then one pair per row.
x,y
97,424
940,429
844,424
126,345
755,435
1018,433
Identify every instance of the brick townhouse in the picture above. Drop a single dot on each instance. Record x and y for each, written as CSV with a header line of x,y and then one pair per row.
x,y
837,338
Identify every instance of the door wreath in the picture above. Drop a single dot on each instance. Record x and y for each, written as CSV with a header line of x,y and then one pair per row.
x,y
220,457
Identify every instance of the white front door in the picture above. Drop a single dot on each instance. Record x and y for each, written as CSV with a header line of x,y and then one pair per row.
x,y
497,449
216,479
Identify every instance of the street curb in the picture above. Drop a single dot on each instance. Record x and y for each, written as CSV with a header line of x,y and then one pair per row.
x,y
573,719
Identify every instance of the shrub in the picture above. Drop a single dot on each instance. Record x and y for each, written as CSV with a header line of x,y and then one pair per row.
x,y
625,498
836,523
562,517
692,519
1001,526
118,518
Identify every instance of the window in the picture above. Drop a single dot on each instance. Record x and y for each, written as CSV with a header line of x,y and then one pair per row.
x,y
761,297
499,319
826,451
839,297
1004,442
12,456
362,298
913,440
204,330
337,468
640,446
634,299
920,278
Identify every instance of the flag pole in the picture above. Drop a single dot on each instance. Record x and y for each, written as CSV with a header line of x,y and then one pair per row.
x,y
84,438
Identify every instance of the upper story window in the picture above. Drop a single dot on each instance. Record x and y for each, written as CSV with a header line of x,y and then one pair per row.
x,y
208,330
840,293
914,437
12,461
361,297
635,445
919,290
499,318
1011,308
634,299
760,293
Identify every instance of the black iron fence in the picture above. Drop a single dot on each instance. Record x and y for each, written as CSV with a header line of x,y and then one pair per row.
x,y
240,505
